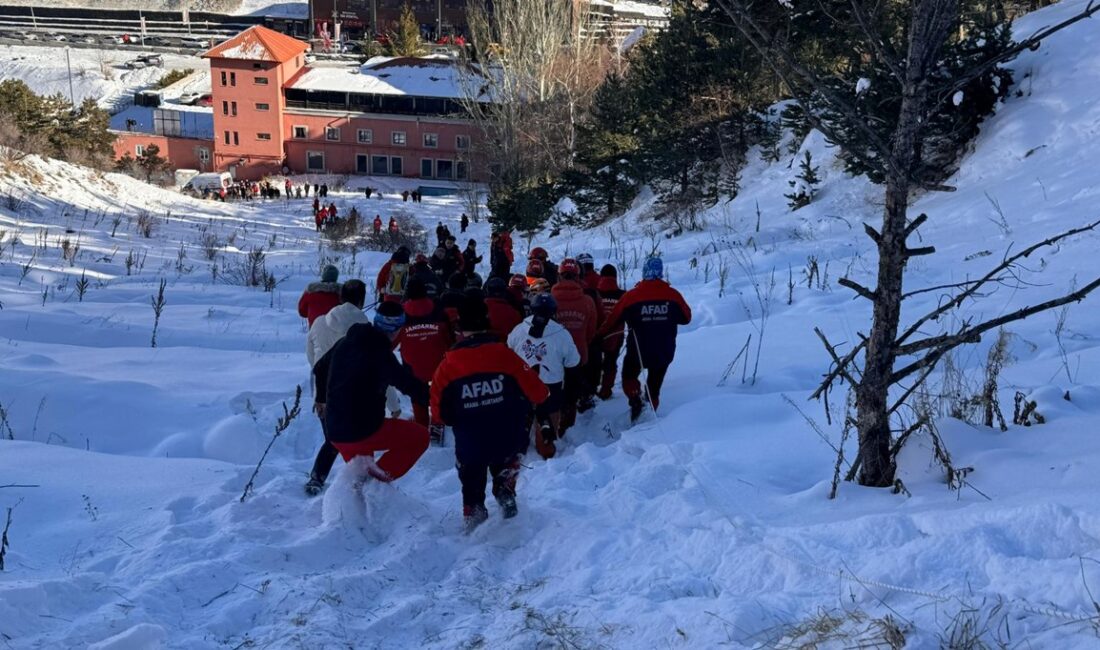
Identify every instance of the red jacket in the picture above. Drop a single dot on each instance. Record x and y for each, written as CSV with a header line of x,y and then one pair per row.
x,y
654,311
425,338
318,299
577,313
592,280
610,295
485,392
503,317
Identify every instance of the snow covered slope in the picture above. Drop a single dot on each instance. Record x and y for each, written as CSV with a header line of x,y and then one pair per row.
x,y
706,527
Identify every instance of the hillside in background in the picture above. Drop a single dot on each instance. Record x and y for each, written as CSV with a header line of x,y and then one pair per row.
x,y
706,526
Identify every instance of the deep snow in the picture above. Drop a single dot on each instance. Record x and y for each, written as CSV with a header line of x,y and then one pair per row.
x,y
707,526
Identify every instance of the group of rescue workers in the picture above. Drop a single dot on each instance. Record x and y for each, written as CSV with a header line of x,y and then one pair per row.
x,y
500,361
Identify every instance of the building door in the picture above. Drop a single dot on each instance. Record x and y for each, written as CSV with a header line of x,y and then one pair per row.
x,y
362,163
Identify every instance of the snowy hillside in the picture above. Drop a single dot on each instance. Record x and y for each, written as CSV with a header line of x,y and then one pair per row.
x,y
99,74
705,527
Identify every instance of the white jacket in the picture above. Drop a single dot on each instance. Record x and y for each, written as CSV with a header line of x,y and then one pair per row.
x,y
327,332
551,354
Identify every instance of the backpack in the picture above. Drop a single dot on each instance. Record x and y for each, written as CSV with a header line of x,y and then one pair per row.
x,y
399,277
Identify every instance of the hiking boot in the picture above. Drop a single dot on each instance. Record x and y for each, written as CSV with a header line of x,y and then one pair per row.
x,y
473,516
586,403
636,408
314,485
544,442
605,393
508,505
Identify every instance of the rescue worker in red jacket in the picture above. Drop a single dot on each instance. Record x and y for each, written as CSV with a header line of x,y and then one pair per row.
x,y
393,276
377,223
653,312
504,315
550,270
424,339
352,380
578,313
612,342
320,297
486,394
589,277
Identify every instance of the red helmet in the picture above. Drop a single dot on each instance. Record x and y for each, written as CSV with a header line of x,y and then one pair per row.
x,y
421,258
538,253
569,268
517,282
535,269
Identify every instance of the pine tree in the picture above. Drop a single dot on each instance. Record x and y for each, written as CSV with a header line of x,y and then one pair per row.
x,y
804,185
151,163
405,40
603,180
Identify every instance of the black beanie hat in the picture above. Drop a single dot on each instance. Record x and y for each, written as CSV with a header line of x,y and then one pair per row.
x,y
416,289
609,271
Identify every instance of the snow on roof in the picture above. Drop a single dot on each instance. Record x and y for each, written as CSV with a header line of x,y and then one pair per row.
x,y
258,44
179,120
634,7
430,76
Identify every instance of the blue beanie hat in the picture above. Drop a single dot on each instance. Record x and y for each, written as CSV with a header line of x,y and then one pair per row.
x,y
654,269
389,317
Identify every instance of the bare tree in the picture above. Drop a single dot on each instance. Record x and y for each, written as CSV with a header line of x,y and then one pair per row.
x,y
912,63
535,71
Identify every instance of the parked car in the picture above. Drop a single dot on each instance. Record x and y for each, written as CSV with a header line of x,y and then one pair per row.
x,y
190,99
206,100
60,38
90,40
194,43
152,59
136,64
28,36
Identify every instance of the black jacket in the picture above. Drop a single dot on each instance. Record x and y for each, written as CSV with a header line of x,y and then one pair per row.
x,y
352,379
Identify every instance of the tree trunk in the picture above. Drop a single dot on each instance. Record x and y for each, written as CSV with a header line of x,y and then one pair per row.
x,y
928,30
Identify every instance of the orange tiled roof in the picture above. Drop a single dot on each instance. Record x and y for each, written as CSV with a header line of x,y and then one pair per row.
x,y
258,44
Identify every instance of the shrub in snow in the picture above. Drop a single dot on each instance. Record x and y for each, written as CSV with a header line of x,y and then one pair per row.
x,y
804,185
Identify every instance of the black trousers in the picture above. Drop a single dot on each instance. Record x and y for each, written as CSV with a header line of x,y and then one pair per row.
x,y
326,458
632,370
474,479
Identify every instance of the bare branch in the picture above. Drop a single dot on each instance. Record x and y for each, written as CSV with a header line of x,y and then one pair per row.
x,y
858,288
886,53
872,233
915,223
917,252
943,344
843,370
1006,263
841,367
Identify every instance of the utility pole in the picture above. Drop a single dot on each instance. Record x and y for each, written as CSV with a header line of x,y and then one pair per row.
x,y
374,18
69,65
439,19
34,21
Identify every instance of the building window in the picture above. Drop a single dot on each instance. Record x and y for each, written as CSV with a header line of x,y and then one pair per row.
x,y
227,140
462,170
232,78
236,138
426,167
233,108
139,150
332,134
365,136
462,142
398,138
263,107
223,77
315,161
263,136
301,132
444,169
204,155
397,164
256,66
362,163
379,165
431,140
260,81
225,108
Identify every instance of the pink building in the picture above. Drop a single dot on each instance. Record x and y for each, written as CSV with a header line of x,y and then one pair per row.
x,y
272,114
392,117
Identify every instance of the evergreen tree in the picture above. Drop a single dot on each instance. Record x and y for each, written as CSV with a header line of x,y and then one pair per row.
x,y
804,185
603,181
151,163
405,39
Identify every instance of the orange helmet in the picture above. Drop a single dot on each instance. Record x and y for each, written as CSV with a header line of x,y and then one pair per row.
x,y
537,286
